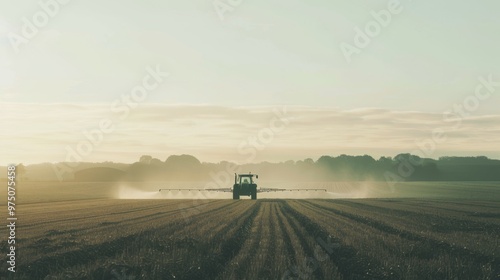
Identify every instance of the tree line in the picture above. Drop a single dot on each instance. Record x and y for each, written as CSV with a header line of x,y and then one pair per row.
x,y
405,167
327,168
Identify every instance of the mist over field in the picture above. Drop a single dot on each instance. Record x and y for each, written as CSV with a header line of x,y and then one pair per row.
x,y
402,167
341,177
46,192
259,140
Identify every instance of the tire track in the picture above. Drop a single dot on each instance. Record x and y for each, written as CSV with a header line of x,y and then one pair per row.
x,y
288,241
235,208
254,243
231,242
299,247
307,245
267,272
240,265
350,264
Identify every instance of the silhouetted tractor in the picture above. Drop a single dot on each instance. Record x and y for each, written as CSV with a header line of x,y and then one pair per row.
x,y
244,185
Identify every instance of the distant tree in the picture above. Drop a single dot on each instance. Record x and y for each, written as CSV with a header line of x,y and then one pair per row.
x,y
156,161
20,172
146,159
385,160
183,167
184,160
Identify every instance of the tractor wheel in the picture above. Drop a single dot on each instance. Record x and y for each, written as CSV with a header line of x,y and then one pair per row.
x,y
254,194
236,194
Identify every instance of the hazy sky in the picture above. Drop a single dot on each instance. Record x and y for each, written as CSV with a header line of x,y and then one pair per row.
x,y
427,58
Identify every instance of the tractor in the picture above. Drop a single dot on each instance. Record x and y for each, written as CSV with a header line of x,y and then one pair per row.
x,y
245,185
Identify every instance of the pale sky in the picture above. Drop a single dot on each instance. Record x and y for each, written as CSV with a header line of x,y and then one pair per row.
x,y
262,55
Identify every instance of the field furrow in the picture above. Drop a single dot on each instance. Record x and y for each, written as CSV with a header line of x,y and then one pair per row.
x,y
423,248
351,264
442,230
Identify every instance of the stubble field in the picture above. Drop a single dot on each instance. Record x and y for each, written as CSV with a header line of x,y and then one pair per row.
x,y
372,238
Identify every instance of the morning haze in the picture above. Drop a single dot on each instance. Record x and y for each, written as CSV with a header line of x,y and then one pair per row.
x,y
420,73
245,139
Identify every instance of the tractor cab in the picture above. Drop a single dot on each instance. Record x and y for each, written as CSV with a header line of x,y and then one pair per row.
x,y
246,179
244,185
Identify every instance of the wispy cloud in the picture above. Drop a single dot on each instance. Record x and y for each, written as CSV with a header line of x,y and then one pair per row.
x,y
40,132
